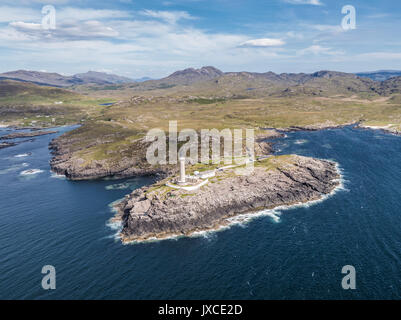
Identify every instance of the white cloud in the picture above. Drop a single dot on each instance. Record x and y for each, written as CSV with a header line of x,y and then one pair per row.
x,y
168,16
330,28
71,23
29,2
381,55
26,26
294,35
319,50
265,42
155,43
311,2
74,31
8,14
71,13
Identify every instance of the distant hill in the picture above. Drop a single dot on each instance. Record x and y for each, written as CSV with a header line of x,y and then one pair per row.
x,y
211,81
44,78
101,78
191,75
143,79
380,75
17,97
58,80
12,88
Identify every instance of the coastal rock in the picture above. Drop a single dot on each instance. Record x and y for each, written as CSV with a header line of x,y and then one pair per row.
x,y
158,211
26,134
7,144
390,128
69,162
319,126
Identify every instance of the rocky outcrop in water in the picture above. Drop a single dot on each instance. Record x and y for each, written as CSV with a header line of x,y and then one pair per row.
x,y
158,211
26,134
7,144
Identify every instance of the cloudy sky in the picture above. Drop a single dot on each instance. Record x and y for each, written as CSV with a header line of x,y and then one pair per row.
x,y
137,38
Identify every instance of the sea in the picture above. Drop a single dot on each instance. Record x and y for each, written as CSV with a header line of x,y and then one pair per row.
x,y
289,253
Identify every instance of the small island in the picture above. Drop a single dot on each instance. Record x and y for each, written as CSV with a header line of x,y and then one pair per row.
x,y
27,134
165,210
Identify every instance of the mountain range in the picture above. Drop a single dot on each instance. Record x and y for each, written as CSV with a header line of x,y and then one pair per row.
x,y
380,75
58,80
214,82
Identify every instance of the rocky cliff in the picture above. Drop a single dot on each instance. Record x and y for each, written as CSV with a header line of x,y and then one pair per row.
x,y
130,161
158,211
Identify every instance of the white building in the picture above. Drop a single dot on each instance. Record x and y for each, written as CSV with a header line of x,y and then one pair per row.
x,y
205,174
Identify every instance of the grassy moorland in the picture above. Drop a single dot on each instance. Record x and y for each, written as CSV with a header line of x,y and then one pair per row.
x,y
27,104
109,133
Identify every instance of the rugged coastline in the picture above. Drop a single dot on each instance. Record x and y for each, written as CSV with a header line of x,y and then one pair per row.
x,y
390,129
158,211
66,162
132,161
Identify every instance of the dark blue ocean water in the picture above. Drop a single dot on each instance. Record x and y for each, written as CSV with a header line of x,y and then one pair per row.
x,y
52,221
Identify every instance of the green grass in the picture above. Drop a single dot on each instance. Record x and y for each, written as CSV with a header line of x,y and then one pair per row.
x,y
109,132
120,123
207,101
32,105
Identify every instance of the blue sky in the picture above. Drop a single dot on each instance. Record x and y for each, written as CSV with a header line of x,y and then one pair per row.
x,y
138,38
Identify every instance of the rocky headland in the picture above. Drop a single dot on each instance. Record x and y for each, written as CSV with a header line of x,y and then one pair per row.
x,y
130,162
158,211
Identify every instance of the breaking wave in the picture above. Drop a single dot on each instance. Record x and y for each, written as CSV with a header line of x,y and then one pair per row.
x,y
57,176
23,155
301,141
30,172
14,168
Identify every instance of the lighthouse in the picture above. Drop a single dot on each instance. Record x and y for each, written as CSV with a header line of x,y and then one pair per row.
x,y
182,179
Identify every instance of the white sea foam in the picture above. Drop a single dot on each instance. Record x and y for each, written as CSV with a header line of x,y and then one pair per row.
x,y
30,172
113,204
14,168
57,176
115,226
284,144
22,155
300,141
118,186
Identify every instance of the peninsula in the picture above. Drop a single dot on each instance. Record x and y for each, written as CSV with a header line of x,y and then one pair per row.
x,y
160,211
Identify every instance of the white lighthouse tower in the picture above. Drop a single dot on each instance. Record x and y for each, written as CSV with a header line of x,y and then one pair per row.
x,y
182,179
